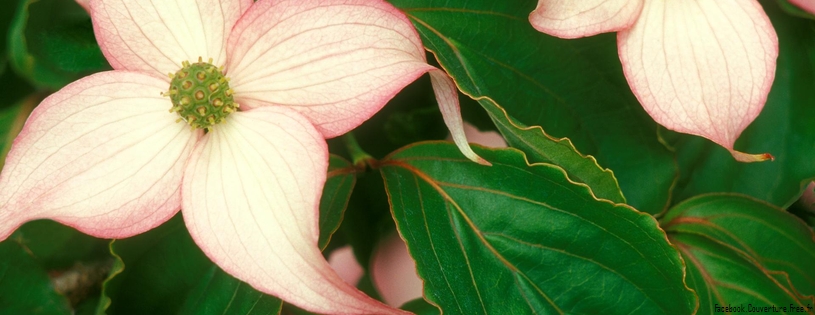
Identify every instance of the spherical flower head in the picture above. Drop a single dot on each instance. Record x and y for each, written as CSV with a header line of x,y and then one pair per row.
x,y
107,154
201,95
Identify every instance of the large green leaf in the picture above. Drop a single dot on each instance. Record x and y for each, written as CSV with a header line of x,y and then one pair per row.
x,y
51,43
572,88
785,129
541,147
519,239
24,285
741,250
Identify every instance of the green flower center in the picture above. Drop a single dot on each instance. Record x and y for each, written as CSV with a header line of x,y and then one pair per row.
x,y
201,95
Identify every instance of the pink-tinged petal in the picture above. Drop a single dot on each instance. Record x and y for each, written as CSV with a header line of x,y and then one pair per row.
x,y
251,195
393,272
337,62
156,36
806,5
85,4
573,19
103,155
447,96
702,67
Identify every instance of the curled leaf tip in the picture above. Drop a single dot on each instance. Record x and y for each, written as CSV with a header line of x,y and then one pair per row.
x,y
750,158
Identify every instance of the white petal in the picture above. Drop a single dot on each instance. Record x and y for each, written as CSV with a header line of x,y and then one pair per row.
x,y
156,36
337,62
103,155
702,67
573,19
251,202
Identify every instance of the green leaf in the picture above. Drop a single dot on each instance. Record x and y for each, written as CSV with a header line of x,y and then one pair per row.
x,y
219,293
12,119
58,247
336,193
742,251
164,272
784,129
51,43
6,16
24,285
516,238
572,88
75,263
421,307
543,148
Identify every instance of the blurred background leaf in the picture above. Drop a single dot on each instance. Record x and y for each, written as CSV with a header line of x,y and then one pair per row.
x,y
24,286
51,43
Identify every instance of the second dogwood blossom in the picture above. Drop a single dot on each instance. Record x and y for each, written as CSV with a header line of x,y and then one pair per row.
x,y
699,67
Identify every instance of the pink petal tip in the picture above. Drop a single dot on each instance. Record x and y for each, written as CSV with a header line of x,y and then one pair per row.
x,y
751,158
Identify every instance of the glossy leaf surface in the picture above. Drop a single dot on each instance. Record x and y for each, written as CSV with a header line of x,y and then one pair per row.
x,y
517,239
743,251
543,148
337,191
572,88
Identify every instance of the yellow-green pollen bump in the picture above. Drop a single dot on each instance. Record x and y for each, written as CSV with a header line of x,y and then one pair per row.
x,y
201,95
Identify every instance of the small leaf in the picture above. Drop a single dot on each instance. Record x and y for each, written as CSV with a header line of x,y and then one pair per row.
x,y
12,119
543,148
516,238
742,251
334,200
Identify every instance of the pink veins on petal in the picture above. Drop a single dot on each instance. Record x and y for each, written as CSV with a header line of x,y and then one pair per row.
x,y
107,156
698,67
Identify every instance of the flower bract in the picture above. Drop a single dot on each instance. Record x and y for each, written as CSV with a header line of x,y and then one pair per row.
x,y
699,67
234,136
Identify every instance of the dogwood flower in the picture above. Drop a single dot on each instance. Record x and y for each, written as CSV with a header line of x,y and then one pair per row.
x,y
699,67
110,156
